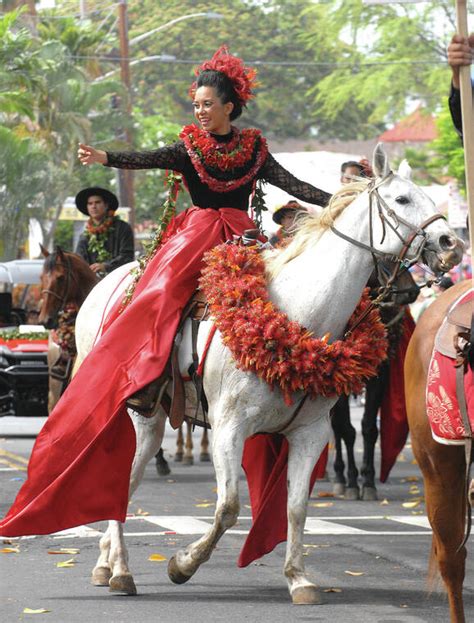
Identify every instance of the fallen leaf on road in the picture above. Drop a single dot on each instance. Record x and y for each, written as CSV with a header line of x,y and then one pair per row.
x,y
332,590
156,558
355,573
411,504
316,546
322,504
66,563
204,505
384,502
401,458
10,550
412,479
39,611
70,551
325,494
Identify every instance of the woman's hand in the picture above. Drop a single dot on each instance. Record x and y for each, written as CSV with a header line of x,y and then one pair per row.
x,y
89,155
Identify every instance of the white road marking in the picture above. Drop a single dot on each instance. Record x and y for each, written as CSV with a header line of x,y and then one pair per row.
x,y
192,525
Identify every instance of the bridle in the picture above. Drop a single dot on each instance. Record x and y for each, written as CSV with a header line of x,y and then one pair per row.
x,y
69,277
401,262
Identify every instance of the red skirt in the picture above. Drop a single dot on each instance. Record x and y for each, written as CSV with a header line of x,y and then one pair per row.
x,y
79,470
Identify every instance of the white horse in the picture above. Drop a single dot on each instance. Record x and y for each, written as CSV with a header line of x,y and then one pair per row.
x,y
317,280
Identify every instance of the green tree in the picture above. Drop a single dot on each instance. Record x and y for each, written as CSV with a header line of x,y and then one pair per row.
x,y
388,56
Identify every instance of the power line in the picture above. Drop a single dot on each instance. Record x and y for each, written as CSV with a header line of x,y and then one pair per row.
x,y
170,60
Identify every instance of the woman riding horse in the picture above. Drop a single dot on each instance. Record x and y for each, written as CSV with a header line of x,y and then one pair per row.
x,y
220,165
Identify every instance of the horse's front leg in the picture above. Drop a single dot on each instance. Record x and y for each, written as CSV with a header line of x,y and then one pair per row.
x,y
306,445
227,445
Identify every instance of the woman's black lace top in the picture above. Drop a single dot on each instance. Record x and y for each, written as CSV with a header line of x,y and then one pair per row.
x,y
175,157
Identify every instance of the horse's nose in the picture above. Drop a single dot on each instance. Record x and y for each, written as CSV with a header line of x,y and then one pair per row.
x,y
448,243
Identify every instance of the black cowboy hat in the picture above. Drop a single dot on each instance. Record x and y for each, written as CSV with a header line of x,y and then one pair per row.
x,y
82,197
291,206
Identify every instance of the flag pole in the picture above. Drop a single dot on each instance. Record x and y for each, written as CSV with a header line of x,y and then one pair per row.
x,y
467,120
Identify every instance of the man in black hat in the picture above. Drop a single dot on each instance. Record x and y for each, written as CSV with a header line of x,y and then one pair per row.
x,y
107,242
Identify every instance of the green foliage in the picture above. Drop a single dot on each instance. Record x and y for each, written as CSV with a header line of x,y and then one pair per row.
x,y
388,55
64,235
448,148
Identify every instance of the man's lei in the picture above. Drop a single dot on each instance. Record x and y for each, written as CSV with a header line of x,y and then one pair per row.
x,y
97,235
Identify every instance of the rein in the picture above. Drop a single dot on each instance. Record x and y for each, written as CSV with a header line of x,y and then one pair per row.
x,y
69,276
401,262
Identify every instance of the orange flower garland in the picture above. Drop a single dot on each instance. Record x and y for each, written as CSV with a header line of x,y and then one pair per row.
x,y
265,341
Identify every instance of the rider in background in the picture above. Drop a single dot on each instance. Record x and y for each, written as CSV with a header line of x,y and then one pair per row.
x,y
352,170
460,52
107,242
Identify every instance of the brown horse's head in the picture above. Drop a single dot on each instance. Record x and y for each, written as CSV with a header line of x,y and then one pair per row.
x,y
404,289
66,279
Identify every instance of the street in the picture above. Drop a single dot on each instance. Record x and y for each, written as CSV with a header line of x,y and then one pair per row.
x,y
369,558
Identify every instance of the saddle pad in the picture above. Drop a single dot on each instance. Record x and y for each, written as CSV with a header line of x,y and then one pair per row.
x,y
442,406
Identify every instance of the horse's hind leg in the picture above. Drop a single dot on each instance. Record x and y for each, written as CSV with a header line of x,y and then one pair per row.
x,y
204,457
112,565
305,448
375,389
188,458
446,507
227,454
343,429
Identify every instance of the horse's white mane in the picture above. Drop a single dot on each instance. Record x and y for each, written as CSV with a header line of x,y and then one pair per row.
x,y
312,226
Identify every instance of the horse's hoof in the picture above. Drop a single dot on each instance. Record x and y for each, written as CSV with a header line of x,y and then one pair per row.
x,y
306,596
369,494
188,460
162,468
175,574
178,457
122,584
352,493
205,457
339,488
101,576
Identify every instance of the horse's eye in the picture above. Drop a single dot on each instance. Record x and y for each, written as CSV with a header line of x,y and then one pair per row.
x,y
402,200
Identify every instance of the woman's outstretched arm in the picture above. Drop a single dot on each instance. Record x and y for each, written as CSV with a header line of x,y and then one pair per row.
x,y
169,157
273,173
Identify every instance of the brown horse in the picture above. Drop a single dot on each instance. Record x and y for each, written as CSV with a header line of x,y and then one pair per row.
x,y
66,280
443,466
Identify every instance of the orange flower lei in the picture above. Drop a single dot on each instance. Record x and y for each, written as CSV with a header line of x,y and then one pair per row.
x,y
281,352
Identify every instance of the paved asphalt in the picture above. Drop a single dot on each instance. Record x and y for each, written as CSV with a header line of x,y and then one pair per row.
x,y
385,545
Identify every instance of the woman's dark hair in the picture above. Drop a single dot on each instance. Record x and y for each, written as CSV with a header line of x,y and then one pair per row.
x,y
224,89
352,163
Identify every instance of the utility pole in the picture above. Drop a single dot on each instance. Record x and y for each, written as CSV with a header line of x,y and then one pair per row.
x,y
126,191
83,9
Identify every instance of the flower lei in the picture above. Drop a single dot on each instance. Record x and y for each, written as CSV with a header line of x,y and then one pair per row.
x,y
173,181
65,335
281,352
219,164
97,235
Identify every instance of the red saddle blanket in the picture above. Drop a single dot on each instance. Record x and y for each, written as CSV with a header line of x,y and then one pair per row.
x,y
442,406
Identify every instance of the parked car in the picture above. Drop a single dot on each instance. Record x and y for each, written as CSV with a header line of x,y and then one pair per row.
x,y
23,345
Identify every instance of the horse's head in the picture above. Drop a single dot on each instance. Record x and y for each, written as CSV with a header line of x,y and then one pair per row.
x,y
56,284
404,217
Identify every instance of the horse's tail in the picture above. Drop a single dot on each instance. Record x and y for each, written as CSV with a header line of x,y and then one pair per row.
x,y
433,580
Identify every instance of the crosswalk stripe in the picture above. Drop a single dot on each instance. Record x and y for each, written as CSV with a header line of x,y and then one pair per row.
x,y
139,525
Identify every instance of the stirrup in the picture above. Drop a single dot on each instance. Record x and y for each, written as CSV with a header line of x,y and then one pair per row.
x,y
144,401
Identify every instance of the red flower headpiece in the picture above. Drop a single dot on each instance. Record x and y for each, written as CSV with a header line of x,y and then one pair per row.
x,y
242,77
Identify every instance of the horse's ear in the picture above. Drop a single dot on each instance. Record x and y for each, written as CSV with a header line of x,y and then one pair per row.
x,y
44,250
59,253
380,165
404,170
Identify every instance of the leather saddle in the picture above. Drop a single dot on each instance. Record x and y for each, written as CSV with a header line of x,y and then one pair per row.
x,y
454,335
168,389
